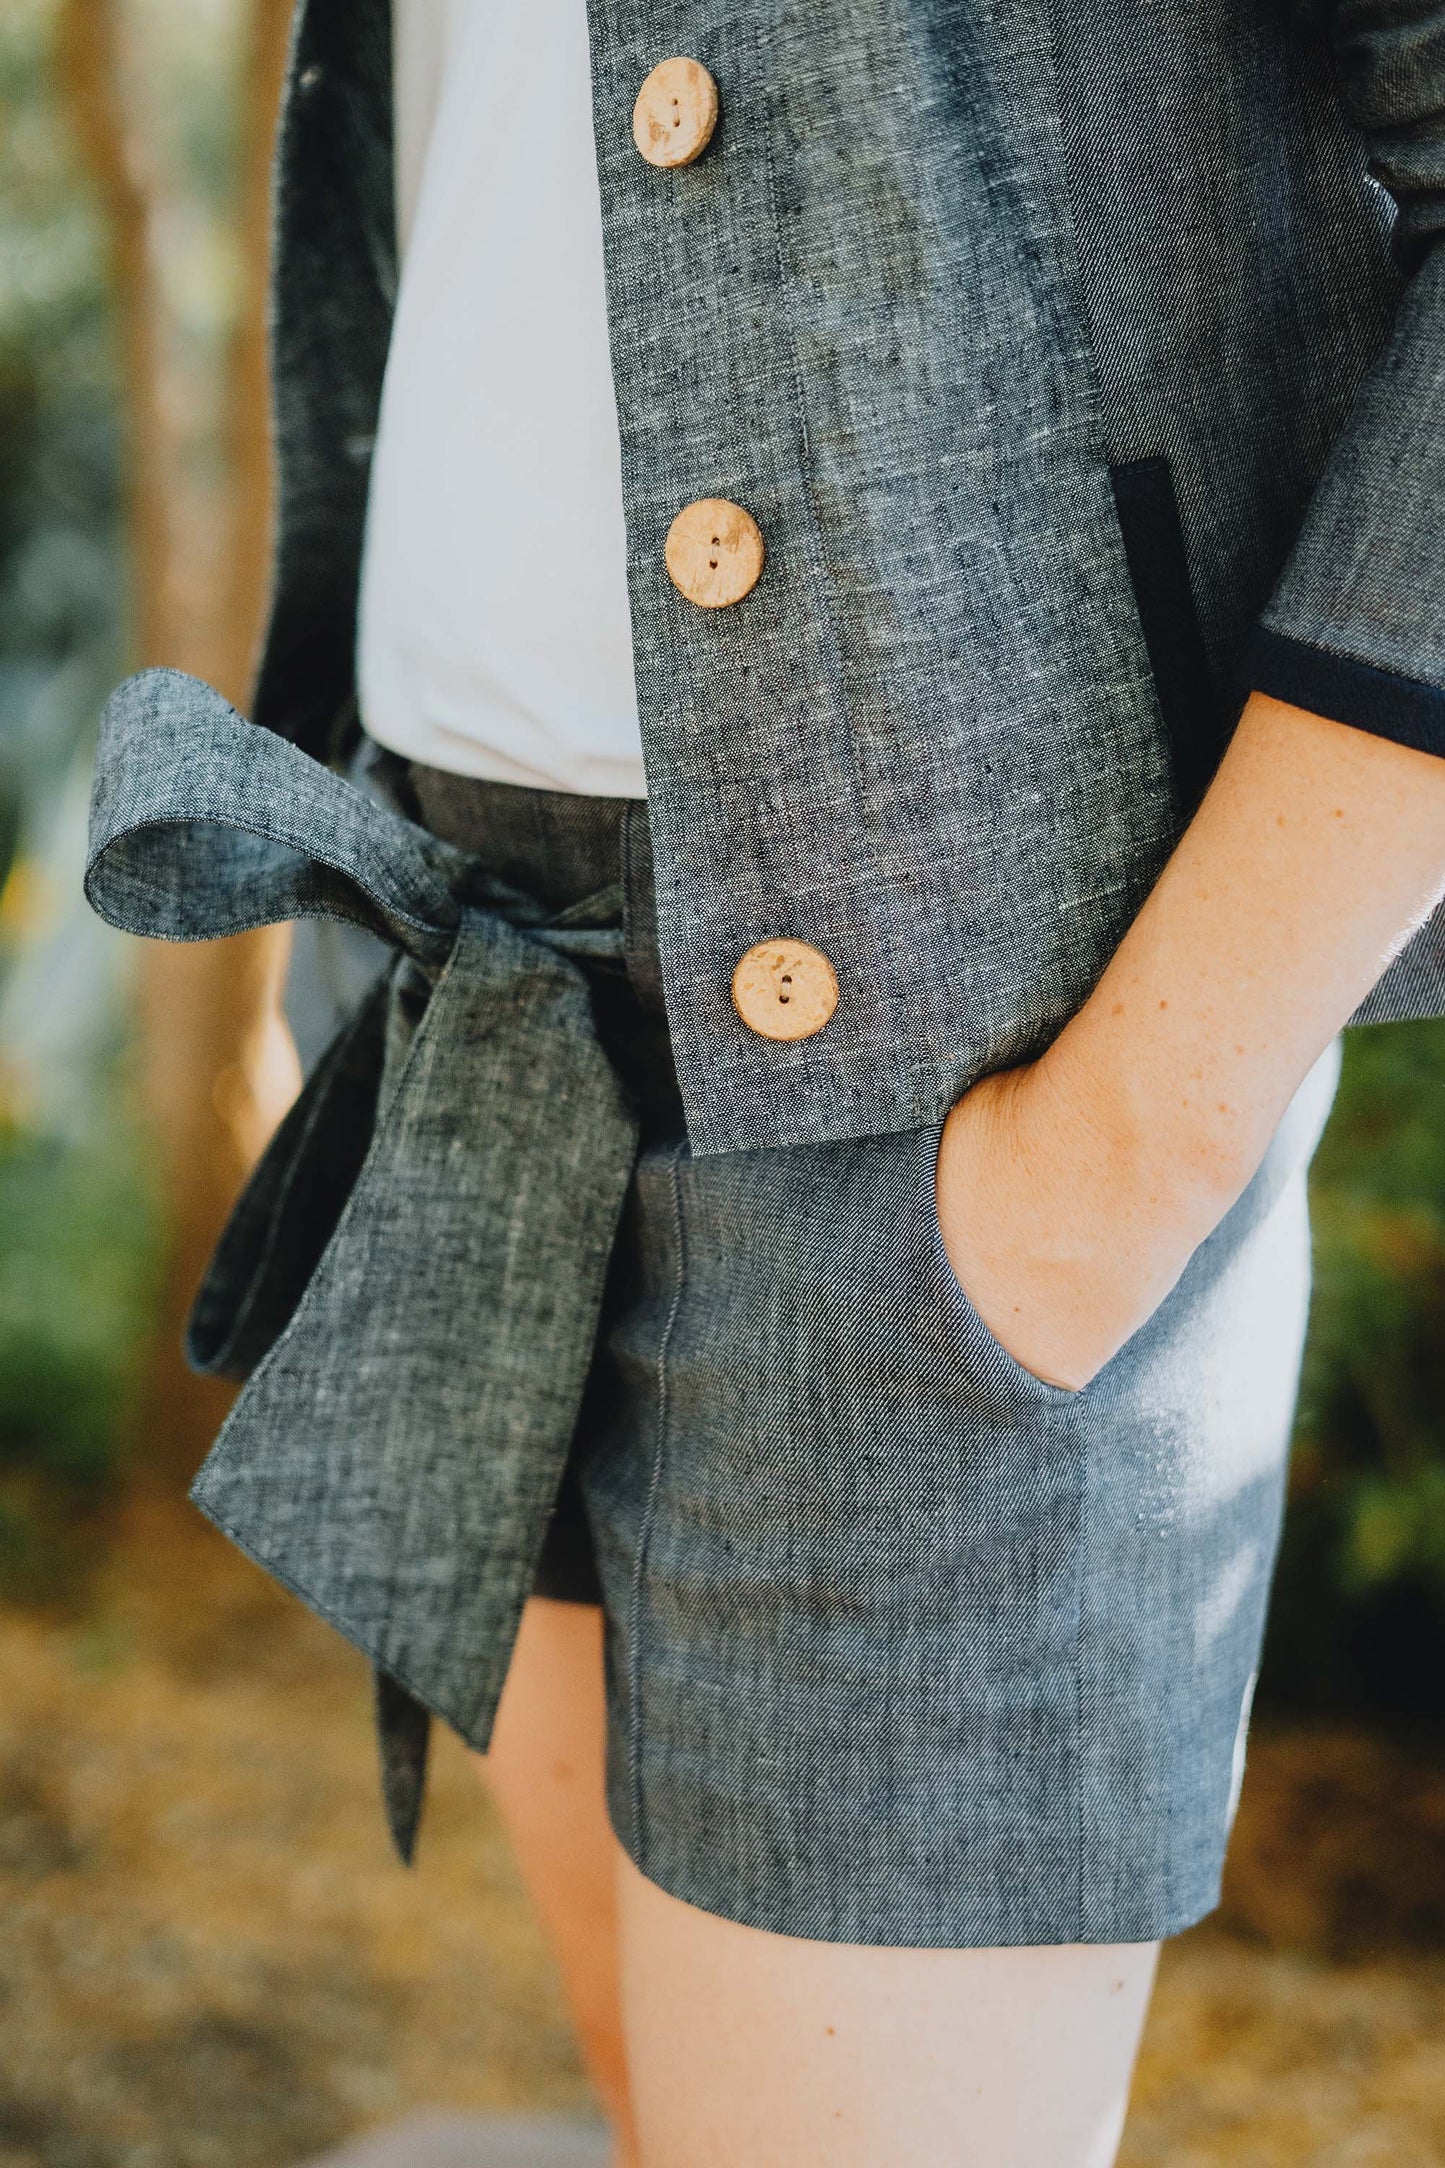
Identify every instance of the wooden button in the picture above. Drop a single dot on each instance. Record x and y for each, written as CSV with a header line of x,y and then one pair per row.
x,y
714,553
675,113
785,989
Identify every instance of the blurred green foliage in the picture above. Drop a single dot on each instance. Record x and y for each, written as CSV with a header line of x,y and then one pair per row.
x,y
78,1228
61,583
78,1283
1359,1613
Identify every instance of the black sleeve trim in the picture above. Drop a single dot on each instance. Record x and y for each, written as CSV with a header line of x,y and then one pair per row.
x,y
1158,565
1346,690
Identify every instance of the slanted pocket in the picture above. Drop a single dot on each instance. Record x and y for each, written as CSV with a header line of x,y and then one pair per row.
x,y
978,1346
1149,522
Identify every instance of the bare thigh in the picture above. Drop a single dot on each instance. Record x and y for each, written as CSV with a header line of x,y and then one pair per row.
x,y
754,2050
734,2048
545,1773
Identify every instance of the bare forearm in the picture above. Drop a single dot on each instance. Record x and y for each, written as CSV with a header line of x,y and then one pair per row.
x,y
1072,1192
1315,854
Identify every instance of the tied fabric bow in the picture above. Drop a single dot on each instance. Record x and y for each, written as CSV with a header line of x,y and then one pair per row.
x,y
411,1282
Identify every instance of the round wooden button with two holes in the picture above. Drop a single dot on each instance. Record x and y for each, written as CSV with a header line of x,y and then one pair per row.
x,y
785,989
675,113
714,553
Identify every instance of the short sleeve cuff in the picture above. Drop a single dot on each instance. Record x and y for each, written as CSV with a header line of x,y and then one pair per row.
x,y
1346,690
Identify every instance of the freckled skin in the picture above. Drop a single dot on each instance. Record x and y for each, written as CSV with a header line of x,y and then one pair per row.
x,y
1073,1191
718,2056
933,2057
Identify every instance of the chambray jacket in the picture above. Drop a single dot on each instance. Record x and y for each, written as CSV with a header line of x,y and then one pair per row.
x,y
1082,364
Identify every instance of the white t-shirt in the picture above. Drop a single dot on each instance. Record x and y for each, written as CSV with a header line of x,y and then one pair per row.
x,y
495,638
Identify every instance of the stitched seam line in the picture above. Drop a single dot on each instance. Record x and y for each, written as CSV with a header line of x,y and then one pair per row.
x,y
654,1485
629,901
1085,1494
383,895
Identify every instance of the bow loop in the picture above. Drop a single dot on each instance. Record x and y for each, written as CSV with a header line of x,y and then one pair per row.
x,y
203,824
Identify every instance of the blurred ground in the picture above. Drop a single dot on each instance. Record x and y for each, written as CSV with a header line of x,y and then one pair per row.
x,y
209,1959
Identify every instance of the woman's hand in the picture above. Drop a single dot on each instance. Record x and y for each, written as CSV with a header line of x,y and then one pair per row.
x,y
1072,1193
1060,1236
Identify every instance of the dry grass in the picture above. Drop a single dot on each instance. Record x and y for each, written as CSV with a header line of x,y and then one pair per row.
x,y
1305,2024
209,1960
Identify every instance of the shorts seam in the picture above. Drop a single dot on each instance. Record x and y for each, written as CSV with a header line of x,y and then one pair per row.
x,y
629,907
654,1485
1081,1583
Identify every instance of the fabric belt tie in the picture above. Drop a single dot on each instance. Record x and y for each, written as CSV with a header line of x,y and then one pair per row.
x,y
411,1282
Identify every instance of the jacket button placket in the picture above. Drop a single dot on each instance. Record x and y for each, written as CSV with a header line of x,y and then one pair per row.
x,y
781,989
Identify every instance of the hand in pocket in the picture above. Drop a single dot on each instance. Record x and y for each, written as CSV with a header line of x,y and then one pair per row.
x,y
1060,1236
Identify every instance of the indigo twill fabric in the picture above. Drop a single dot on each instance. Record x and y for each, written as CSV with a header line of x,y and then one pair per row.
x,y
945,269
905,1647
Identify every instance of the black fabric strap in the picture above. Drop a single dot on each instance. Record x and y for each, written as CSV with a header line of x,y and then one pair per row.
x,y
1159,569
1346,690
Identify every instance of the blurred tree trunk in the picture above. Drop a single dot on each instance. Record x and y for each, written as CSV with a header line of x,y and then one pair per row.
x,y
248,391
218,1067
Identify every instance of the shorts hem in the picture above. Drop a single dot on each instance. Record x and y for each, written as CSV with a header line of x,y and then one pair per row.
x,y
878,1924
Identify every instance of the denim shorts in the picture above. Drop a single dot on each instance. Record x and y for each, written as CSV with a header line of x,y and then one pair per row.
x,y
904,1646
